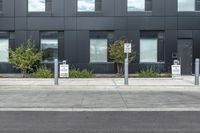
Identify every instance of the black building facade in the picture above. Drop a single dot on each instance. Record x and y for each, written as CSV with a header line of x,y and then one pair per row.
x,y
161,30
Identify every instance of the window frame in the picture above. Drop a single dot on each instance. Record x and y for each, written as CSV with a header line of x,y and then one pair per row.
x,y
40,42
160,37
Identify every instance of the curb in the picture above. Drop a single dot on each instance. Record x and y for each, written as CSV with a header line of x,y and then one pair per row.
x,y
101,88
100,109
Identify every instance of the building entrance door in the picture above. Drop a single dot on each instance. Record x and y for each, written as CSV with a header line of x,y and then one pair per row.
x,y
184,53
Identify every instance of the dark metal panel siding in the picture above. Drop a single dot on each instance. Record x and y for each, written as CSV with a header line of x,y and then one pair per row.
x,y
20,37
171,7
6,23
20,23
120,7
185,34
45,23
196,44
70,23
171,23
70,47
114,16
120,23
20,7
146,23
58,7
8,8
83,47
108,7
158,6
35,35
189,23
170,45
70,8
95,23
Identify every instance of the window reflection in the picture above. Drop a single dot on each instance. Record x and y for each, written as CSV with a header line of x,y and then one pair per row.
x,y
186,5
36,5
86,5
98,50
49,46
148,50
136,5
4,44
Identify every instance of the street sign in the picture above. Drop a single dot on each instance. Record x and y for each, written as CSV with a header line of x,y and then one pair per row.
x,y
127,47
64,71
176,71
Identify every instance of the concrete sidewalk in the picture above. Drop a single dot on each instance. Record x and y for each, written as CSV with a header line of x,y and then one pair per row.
x,y
99,94
187,81
62,100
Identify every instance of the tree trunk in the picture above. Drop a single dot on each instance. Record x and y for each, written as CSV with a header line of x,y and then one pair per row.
x,y
119,69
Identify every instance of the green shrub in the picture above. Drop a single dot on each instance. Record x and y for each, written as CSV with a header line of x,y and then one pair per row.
x,y
77,73
148,73
42,72
26,57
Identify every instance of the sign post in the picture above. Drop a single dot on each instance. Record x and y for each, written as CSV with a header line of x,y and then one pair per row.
x,y
127,50
55,71
196,71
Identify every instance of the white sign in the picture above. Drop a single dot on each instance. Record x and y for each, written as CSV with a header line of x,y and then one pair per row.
x,y
127,47
64,70
176,71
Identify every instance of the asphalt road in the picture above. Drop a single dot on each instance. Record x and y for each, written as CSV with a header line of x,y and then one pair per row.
x,y
99,122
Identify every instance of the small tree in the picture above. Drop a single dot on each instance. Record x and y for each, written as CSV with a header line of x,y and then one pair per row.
x,y
25,57
116,53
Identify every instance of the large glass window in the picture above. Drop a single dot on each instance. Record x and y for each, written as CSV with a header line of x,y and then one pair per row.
x,y
4,47
148,50
186,5
98,50
49,46
86,5
36,5
139,5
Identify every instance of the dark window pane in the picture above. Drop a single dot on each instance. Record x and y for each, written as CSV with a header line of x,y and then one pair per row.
x,y
48,5
1,5
97,5
161,50
148,5
198,5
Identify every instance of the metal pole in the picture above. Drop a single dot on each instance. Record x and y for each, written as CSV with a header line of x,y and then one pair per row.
x,y
55,71
126,70
196,71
